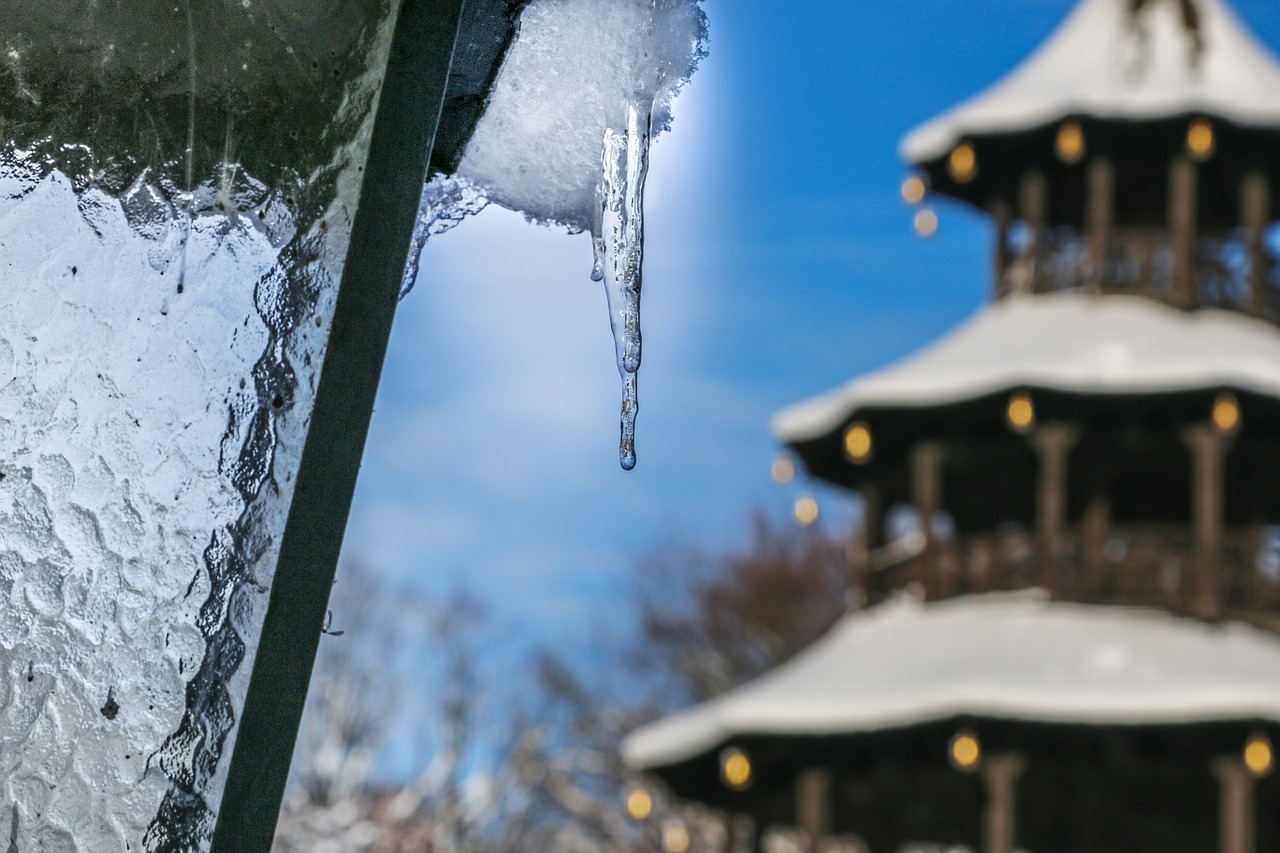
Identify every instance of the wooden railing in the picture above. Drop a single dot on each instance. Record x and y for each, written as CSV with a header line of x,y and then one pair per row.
x,y
1150,565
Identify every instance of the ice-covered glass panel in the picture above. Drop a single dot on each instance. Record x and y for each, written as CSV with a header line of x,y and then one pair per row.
x,y
177,185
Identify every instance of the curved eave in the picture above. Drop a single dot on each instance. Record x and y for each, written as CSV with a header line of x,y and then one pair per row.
x,y
1067,342
1006,656
1091,67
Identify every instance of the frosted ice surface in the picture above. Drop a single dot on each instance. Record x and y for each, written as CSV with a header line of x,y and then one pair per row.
x,y
564,140
158,354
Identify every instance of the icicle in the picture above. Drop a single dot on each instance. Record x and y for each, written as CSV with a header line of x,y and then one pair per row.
x,y
625,163
446,201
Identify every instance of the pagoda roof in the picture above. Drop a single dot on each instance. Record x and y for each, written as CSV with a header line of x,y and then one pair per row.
x,y
1069,342
1011,656
1104,63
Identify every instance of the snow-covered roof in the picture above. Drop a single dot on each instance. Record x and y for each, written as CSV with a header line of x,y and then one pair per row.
x,y
1068,342
1100,64
1005,656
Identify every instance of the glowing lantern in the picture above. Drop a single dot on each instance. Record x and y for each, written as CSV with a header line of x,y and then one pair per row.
x,y
675,838
1258,755
1070,143
926,222
806,511
913,190
962,165
1226,412
964,751
639,804
735,768
1200,141
857,442
1021,412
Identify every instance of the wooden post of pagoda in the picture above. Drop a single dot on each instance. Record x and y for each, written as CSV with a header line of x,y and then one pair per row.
x,y
1183,180
864,542
1000,774
1000,214
1094,529
1255,212
1236,806
926,490
1034,201
1208,449
1053,443
1101,206
737,833
813,806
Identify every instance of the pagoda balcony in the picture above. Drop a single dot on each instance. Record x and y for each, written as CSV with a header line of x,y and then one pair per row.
x,y
1233,270
1152,565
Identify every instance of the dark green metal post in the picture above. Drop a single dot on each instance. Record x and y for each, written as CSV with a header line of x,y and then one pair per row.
x,y
404,129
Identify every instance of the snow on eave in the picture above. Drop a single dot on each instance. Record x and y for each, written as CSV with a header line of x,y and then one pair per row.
x,y
1094,66
1007,656
1068,342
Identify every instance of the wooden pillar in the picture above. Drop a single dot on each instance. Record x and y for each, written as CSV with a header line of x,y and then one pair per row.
x,y
738,834
866,539
1236,830
1034,201
1000,774
1255,213
1208,448
926,490
1094,530
1053,443
1000,213
1101,207
813,806
1183,202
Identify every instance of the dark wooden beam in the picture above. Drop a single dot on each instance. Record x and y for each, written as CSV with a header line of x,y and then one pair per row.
x,y
1183,192
926,491
404,128
1000,774
1101,207
1255,213
1053,443
1208,447
813,806
1236,821
1034,202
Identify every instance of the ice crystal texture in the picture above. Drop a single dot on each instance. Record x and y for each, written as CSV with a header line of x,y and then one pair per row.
x,y
159,349
565,139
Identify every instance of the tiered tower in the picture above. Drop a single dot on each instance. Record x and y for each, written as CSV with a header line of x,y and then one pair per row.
x,y
1105,432
1107,428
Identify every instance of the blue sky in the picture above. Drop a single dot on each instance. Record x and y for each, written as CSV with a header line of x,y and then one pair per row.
x,y
779,262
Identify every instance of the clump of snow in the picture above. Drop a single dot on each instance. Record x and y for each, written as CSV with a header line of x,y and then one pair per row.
x,y
569,76
565,140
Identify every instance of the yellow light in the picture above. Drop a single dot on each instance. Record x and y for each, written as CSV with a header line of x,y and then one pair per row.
x,y
1200,142
1258,756
1021,412
783,470
1070,144
962,165
675,838
964,750
735,768
913,190
857,442
639,804
926,222
806,510
1226,412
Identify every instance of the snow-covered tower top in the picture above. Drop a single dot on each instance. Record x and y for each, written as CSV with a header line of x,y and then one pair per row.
x,y
1135,152
1123,60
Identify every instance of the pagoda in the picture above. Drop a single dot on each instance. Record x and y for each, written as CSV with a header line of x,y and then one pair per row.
x,y
1075,650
